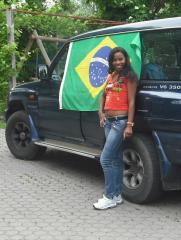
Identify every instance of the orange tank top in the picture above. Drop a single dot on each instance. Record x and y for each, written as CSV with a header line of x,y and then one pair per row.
x,y
116,94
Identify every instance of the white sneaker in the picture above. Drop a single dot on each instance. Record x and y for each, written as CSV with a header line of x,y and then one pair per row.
x,y
118,199
105,203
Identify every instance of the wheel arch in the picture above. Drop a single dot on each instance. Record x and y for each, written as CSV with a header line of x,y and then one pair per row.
x,y
14,106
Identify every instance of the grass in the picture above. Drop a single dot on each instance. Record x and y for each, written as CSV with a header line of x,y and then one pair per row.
x,y
2,124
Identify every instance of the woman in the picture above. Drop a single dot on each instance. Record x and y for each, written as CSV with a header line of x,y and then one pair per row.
x,y
116,113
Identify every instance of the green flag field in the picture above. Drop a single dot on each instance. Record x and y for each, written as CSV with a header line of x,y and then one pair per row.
x,y
86,69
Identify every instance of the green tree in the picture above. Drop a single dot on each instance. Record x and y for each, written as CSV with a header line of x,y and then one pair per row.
x,y
5,61
24,25
137,10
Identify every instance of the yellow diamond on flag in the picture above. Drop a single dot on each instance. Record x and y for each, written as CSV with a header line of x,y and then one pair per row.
x,y
93,69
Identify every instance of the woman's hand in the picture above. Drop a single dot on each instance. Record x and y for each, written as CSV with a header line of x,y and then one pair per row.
x,y
102,119
128,132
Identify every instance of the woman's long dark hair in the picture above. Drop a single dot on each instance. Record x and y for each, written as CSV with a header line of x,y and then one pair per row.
x,y
128,70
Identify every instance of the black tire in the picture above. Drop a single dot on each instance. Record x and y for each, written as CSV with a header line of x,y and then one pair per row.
x,y
18,137
141,176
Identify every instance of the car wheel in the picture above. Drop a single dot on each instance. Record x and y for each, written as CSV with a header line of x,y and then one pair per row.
x,y
18,137
141,174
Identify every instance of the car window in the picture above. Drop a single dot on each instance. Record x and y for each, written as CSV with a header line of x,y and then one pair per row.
x,y
58,72
161,55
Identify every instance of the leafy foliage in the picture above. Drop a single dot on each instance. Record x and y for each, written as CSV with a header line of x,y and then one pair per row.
x,y
5,64
24,25
137,10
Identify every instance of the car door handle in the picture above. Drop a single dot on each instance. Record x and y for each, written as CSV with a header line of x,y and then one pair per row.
x,y
142,110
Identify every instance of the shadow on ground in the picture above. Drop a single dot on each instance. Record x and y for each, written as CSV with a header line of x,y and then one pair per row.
x,y
57,160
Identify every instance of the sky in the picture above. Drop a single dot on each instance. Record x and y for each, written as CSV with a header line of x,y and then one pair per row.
x,y
49,3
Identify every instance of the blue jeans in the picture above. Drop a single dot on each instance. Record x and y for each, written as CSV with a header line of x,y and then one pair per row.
x,y
112,157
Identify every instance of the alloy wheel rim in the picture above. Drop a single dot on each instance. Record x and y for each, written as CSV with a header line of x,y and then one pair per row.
x,y
21,135
133,169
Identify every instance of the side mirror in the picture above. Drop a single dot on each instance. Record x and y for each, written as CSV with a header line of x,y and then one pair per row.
x,y
42,71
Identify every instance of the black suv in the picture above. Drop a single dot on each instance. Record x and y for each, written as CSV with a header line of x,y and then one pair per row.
x,y
152,156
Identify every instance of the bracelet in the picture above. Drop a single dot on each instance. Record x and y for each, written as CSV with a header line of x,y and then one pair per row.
x,y
130,124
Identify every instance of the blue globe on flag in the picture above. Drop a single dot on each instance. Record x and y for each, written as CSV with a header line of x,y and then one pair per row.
x,y
99,66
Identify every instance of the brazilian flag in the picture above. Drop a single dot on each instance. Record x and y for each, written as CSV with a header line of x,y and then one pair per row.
x,y
87,67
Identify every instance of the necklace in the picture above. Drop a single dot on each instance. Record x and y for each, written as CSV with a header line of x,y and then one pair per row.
x,y
119,79
117,85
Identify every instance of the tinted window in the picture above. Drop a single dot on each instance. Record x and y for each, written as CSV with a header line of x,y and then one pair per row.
x,y
60,66
161,55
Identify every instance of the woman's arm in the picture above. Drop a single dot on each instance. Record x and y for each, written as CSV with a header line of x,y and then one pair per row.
x,y
102,103
132,85
101,110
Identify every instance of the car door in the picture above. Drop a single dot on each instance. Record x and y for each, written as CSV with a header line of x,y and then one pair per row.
x,y
91,129
159,95
53,122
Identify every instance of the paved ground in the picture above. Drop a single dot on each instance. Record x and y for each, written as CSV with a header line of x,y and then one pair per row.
x,y
51,199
